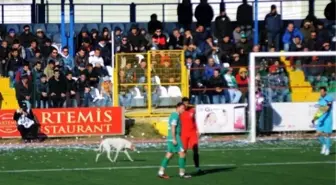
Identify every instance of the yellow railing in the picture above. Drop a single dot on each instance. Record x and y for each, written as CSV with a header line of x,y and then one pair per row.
x,y
149,84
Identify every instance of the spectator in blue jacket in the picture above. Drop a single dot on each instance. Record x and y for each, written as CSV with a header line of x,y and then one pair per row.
x,y
68,60
289,36
273,25
209,68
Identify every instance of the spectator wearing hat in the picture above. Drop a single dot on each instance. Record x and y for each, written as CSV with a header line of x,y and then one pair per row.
x,y
49,70
30,52
273,26
15,62
4,54
40,37
289,35
137,40
67,59
42,93
71,90
57,89
223,25
125,46
105,51
26,37
11,37
244,44
26,123
24,90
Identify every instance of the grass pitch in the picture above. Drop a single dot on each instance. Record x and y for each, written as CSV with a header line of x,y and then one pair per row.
x,y
233,165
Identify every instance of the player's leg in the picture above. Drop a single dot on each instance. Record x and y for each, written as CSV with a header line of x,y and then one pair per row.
x,y
182,159
164,164
327,133
165,161
320,137
193,142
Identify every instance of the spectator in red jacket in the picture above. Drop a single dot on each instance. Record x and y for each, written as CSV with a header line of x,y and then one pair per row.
x,y
159,40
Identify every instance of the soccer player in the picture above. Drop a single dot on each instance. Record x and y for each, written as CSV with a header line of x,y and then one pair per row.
x,y
189,132
324,121
174,143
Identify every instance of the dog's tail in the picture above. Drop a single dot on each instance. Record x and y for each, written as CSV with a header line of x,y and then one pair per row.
x,y
100,148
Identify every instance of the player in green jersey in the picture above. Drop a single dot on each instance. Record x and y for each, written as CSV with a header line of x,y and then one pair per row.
x,y
174,143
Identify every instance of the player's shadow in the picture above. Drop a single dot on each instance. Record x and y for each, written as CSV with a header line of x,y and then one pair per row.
x,y
214,170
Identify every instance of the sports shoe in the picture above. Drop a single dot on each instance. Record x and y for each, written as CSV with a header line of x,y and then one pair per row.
x,y
185,176
163,176
327,151
323,150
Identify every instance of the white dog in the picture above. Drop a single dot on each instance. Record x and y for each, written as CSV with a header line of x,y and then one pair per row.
x,y
117,145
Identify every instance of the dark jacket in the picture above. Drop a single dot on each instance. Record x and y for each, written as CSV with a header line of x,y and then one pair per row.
x,y
185,13
14,64
223,27
154,25
57,86
329,11
204,14
21,91
273,23
245,14
215,82
42,87
176,43
80,86
137,40
25,39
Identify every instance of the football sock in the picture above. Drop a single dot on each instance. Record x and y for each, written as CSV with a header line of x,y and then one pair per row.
x,y
165,162
328,142
196,157
181,162
322,140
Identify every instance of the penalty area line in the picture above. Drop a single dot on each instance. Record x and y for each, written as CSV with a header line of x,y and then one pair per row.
x,y
173,166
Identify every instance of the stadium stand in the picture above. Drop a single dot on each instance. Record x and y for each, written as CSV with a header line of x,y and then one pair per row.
x,y
36,54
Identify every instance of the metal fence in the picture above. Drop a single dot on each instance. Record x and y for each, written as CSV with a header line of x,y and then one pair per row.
x,y
149,83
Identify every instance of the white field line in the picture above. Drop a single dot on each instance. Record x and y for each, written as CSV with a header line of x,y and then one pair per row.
x,y
155,167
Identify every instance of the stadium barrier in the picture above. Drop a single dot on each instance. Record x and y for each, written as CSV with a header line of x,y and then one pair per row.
x,y
231,118
142,97
69,122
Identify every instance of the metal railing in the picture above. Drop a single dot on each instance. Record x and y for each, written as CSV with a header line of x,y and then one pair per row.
x,y
118,12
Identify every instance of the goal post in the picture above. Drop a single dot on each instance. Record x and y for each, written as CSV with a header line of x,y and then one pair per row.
x,y
252,81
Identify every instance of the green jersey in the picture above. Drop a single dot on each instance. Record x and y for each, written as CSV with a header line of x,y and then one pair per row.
x,y
174,119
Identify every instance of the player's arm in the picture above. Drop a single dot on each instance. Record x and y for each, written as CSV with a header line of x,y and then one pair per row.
x,y
173,129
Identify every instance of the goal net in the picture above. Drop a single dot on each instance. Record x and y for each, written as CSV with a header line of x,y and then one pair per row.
x,y
284,90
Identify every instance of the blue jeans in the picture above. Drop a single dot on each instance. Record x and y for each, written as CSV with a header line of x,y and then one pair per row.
x,y
218,99
125,100
199,99
155,99
42,104
11,75
107,102
286,47
235,95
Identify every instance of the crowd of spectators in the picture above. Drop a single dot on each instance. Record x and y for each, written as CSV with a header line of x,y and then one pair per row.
x,y
216,57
